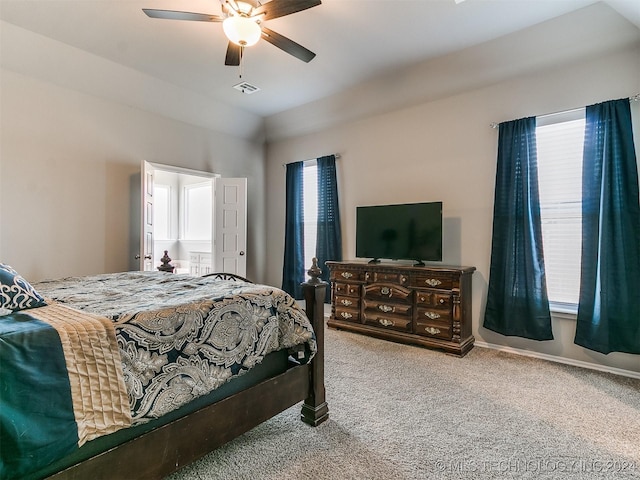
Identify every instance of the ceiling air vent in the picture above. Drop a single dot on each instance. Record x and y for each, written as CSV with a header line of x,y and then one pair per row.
x,y
247,88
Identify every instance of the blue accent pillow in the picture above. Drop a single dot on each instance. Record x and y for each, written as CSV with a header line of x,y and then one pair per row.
x,y
15,292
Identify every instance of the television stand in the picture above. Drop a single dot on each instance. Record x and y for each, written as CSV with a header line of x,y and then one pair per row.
x,y
428,306
419,263
374,261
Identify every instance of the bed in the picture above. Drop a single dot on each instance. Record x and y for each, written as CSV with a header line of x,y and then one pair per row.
x,y
136,374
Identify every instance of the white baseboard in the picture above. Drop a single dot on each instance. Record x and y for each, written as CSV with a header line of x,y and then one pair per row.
x,y
542,356
554,358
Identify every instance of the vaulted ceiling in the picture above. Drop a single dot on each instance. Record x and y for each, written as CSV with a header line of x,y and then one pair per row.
x,y
356,41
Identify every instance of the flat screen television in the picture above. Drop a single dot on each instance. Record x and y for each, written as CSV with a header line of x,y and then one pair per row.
x,y
411,231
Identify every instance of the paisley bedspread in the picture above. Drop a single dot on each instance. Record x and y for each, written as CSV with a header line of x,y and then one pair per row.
x,y
179,336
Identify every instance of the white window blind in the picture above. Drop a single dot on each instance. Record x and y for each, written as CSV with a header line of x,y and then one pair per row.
x,y
560,143
310,195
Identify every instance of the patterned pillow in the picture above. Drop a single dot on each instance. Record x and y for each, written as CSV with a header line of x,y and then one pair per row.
x,y
15,292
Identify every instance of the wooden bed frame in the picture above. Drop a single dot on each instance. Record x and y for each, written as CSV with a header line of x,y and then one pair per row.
x,y
166,449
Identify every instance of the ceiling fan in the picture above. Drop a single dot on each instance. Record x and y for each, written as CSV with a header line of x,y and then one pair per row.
x,y
242,22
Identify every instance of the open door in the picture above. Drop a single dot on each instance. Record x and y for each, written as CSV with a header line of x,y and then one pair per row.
x,y
146,232
230,225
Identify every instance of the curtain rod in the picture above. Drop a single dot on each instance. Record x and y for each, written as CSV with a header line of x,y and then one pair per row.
x,y
337,155
633,98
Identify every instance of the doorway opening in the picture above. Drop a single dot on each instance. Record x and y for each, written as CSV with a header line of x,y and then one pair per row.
x,y
183,218
199,218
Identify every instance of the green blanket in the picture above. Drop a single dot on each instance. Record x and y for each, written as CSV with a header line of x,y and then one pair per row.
x,y
33,384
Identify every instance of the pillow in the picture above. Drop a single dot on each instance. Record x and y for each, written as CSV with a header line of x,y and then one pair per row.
x,y
15,292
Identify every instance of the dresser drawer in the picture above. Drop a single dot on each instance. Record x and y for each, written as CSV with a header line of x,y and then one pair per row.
x,y
387,292
434,328
386,277
433,314
382,307
431,299
349,275
349,314
391,322
431,280
346,289
348,302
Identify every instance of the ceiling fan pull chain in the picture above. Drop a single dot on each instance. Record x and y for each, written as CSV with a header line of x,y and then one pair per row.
x,y
240,63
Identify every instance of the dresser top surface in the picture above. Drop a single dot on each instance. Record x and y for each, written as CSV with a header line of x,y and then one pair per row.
x,y
363,264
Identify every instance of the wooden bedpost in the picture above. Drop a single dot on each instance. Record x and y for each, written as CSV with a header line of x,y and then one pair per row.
x,y
315,409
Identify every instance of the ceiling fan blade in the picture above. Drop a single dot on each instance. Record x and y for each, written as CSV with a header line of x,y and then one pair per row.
x,y
287,45
234,52
173,15
280,8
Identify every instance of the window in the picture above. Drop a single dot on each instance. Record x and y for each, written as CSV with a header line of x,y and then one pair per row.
x,y
197,211
310,194
560,140
162,212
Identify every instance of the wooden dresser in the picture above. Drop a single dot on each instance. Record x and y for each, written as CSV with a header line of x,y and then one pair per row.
x,y
428,306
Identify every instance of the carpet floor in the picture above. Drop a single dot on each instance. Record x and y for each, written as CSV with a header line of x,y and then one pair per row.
x,y
403,412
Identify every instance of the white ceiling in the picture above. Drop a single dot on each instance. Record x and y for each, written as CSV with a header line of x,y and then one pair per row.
x,y
355,40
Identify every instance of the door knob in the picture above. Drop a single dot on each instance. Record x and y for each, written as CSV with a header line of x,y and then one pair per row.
x,y
137,257
241,252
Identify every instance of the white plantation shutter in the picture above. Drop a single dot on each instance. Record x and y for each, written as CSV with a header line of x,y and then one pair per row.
x,y
560,140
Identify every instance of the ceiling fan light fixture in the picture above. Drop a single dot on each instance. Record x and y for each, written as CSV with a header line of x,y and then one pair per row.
x,y
241,30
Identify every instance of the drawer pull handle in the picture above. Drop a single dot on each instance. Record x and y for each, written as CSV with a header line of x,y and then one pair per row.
x,y
385,322
432,330
432,282
385,291
346,315
346,302
347,274
442,300
432,315
386,308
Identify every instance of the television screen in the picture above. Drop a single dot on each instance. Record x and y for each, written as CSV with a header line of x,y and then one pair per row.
x,y
400,232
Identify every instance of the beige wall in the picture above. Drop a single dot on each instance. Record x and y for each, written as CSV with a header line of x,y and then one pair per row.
x,y
67,160
445,150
